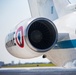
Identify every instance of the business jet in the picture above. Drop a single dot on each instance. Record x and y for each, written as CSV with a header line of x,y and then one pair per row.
x,y
39,35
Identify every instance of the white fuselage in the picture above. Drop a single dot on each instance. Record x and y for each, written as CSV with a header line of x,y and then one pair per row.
x,y
67,53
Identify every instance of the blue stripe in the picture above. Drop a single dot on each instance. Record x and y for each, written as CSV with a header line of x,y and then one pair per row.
x,y
67,44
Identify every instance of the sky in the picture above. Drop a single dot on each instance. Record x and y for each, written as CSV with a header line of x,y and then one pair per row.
x,y
11,13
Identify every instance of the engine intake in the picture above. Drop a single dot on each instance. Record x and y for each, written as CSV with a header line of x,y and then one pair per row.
x,y
42,34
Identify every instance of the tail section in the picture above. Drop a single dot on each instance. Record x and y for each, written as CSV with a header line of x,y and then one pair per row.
x,y
61,6
64,7
42,8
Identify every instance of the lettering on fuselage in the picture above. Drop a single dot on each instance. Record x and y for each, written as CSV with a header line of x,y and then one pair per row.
x,y
19,37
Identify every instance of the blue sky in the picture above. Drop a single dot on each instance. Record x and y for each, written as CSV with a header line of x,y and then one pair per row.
x,y
11,13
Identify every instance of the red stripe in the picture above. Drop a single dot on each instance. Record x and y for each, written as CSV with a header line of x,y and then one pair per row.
x,y
22,44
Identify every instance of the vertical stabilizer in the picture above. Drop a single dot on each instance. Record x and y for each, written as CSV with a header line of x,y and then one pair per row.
x,y
61,6
42,8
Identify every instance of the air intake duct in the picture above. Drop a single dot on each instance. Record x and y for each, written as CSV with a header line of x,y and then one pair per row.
x,y
42,34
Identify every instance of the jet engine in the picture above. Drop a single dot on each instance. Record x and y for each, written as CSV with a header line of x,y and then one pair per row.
x,y
41,35
32,38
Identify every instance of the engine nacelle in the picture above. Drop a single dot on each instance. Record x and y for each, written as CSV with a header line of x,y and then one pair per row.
x,y
31,38
41,35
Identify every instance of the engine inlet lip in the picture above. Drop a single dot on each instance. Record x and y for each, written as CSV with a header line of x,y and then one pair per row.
x,y
27,38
